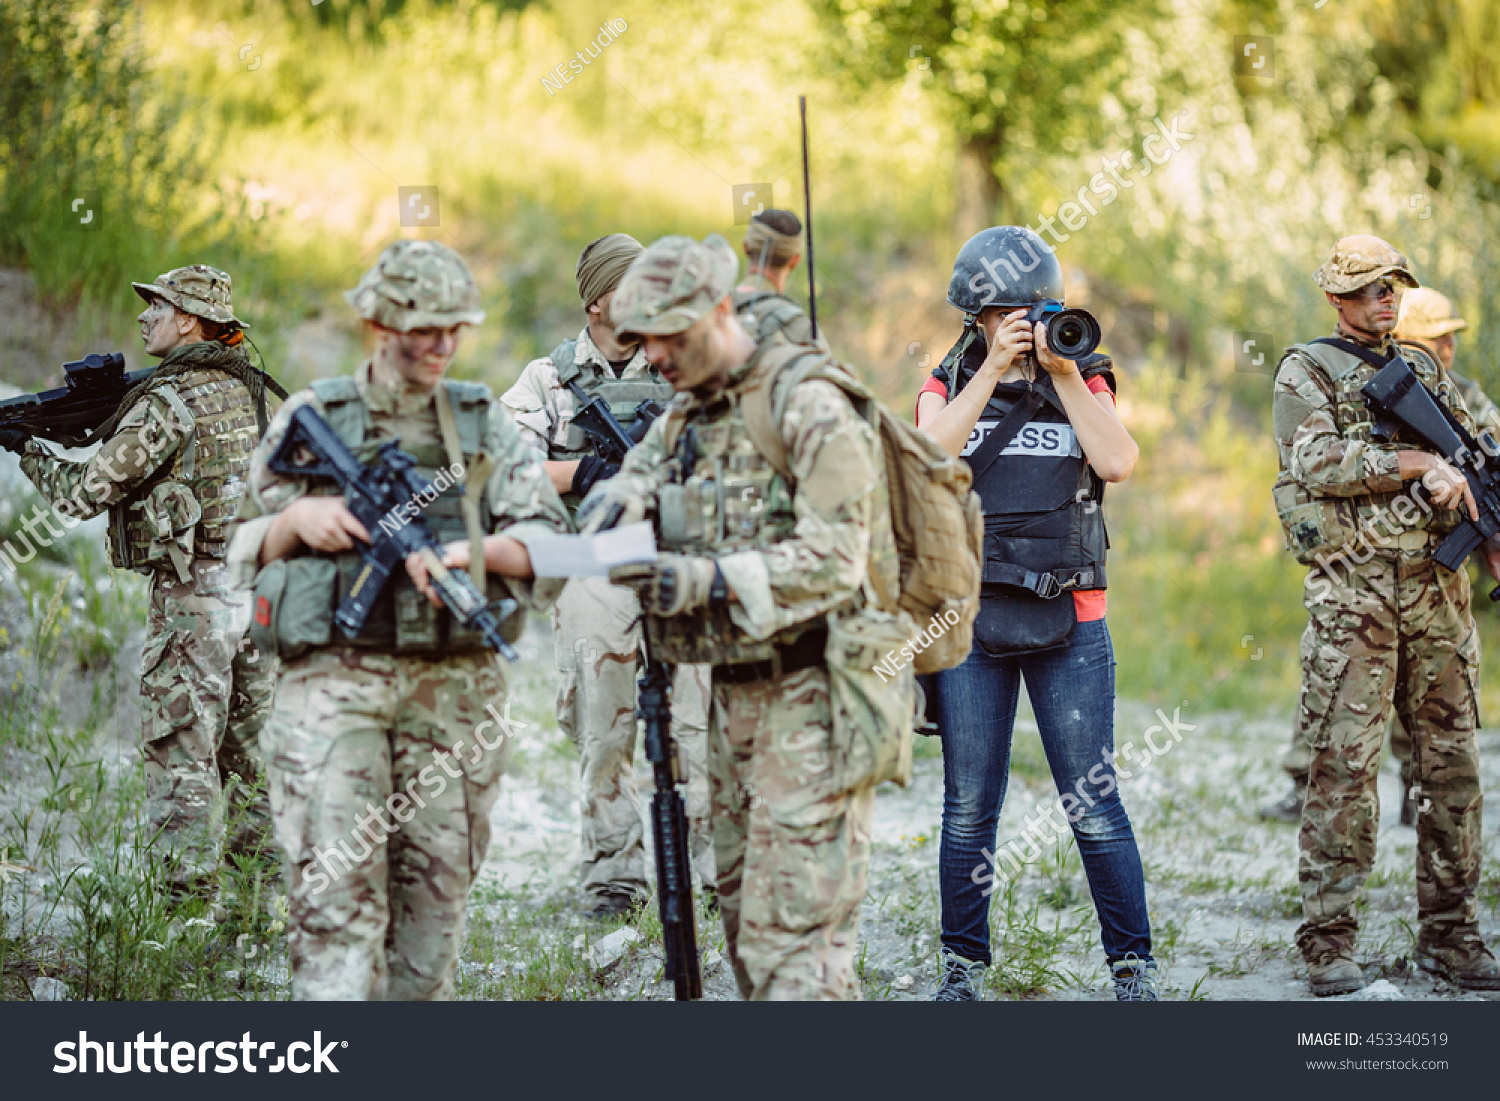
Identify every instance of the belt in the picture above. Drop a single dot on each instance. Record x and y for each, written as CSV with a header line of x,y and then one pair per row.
x,y
806,652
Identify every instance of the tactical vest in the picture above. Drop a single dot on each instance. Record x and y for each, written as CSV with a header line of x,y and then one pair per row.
x,y
623,396
765,313
180,512
1317,525
403,620
1043,516
724,496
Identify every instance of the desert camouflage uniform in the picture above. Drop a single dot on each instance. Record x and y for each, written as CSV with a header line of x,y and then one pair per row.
x,y
205,693
383,766
793,851
1389,631
596,631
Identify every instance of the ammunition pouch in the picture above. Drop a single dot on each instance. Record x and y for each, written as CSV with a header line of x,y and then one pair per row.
x,y
159,530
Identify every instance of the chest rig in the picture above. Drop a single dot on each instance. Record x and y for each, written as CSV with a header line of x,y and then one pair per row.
x,y
181,511
403,620
623,396
722,496
1317,525
1043,516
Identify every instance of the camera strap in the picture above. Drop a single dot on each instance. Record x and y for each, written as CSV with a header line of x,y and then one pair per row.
x,y
1013,421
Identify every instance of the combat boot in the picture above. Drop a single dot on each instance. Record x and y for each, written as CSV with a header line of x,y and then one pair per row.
x,y
961,981
1335,972
1462,959
1408,800
1289,807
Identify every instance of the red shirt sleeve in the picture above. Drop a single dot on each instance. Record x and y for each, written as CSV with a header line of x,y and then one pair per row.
x,y
931,386
1098,385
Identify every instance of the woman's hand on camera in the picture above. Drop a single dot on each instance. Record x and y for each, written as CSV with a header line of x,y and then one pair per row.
x,y
1051,362
1008,338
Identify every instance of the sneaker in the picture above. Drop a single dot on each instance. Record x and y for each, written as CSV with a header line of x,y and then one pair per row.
x,y
1288,808
1135,979
962,980
1465,962
1335,973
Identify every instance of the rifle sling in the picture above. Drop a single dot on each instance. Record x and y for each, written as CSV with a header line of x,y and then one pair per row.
x,y
448,429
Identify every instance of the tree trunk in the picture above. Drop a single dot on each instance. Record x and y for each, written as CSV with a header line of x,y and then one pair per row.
x,y
981,198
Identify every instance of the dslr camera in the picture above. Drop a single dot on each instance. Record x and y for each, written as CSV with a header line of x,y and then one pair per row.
x,y
1072,334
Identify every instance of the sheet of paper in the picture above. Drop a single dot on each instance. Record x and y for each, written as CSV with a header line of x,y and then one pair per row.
x,y
591,555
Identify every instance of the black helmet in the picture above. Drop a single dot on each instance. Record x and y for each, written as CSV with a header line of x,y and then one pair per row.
x,y
1004,266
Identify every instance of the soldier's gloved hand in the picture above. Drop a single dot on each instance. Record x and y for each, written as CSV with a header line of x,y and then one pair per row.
x,y
674,583
14,439
590,471
606,508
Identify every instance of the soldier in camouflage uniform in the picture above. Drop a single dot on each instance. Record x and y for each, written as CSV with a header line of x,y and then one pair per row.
x,y
406,719
754,565
171,473
1387,630
1426,321
596,625
773,246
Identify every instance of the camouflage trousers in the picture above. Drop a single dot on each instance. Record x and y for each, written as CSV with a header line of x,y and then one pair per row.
x,y
1298,758
383,771
793,854
597,633
205,694
1397,634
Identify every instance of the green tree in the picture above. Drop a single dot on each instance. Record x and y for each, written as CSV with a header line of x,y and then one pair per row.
x,y
1016,79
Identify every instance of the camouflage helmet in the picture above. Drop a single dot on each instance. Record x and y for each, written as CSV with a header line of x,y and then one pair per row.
x,y
673,284
417,285
1359,260
1425,314
198,290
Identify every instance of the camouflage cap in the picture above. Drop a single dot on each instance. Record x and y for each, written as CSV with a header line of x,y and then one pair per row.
x,y
673,284
417,285
1361,259
1426,314
196,289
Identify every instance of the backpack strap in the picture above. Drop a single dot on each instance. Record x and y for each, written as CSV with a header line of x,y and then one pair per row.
x,y
342,409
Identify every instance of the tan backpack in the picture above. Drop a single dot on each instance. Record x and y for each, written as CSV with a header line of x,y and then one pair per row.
x,y
936,518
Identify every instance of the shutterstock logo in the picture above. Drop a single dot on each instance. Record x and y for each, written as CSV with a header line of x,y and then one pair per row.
x,y
185,1057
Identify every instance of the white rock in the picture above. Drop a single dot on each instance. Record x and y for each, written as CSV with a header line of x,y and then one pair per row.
x,y
1380,990
608,951
905,982
711,959
49,990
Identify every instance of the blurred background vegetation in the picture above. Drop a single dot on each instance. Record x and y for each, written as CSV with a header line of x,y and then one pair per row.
x,y
269,137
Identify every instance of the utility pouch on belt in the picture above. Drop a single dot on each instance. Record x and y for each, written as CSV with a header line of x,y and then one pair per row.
x,y
873,692
292,612
1314,526
1015,621
171,514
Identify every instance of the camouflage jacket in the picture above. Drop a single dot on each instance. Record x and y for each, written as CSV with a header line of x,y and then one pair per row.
x,y
834,455
770,311
520,498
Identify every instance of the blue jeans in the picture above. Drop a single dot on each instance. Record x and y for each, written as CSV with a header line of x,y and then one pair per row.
x,y
1072,692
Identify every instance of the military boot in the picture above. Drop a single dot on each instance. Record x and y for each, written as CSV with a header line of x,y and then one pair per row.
x,y
1462,959
1335,972
1408,800
1289,807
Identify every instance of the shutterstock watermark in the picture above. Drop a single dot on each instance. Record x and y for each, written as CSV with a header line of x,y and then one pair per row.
x,y
1106,185
433,778
573,67
1041,829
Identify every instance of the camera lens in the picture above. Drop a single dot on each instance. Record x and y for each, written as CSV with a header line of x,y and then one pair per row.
x,y
1073,334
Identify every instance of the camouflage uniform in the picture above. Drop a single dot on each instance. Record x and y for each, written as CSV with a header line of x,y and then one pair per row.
x,y
171,474
381,845
596,630
1387,629
772,240
792,849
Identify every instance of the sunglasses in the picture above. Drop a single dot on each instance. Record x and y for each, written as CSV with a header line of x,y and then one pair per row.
x,y
1382,288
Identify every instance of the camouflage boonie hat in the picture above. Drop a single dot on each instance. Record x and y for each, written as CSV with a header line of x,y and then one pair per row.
x,y
196,289
417,285
1426,314
1359,260
673,284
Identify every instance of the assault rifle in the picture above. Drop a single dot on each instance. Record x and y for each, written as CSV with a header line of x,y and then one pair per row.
x,y
387,497
94,387
611,439
1399,400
